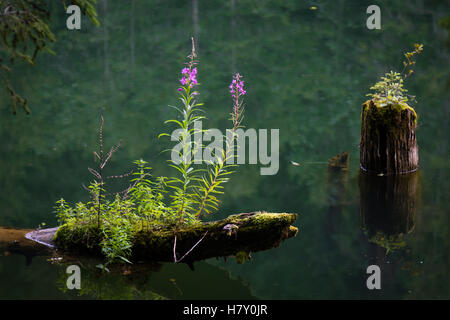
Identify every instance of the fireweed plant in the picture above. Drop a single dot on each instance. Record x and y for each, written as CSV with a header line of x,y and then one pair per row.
x,y
149,203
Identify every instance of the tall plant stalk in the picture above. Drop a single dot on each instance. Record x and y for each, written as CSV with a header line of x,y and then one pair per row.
x,y
97,190
218,174
184,186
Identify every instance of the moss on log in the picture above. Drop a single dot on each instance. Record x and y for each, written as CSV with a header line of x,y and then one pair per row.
x,y
246,232
388,140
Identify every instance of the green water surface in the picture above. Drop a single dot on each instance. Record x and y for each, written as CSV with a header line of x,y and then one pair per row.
x,y
306,72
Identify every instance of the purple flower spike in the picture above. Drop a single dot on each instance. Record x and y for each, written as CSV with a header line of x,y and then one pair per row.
x,y
237,90
237,87
189,77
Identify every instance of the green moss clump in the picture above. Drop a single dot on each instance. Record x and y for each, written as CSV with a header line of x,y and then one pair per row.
x,y
388,113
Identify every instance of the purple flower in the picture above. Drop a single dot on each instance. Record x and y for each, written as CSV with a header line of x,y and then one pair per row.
x,y
180,89
183,81
237,90
189,77
237,87
192,77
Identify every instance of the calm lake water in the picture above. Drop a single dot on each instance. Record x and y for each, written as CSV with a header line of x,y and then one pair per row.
x,y
307,66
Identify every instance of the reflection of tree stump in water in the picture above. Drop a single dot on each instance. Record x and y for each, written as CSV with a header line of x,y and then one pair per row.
x,y
388,140
388,206
336,185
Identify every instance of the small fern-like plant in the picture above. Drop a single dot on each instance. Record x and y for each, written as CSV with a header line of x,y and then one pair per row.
x,y
390,90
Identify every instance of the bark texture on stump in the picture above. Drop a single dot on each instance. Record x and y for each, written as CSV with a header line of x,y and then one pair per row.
x,y
388,140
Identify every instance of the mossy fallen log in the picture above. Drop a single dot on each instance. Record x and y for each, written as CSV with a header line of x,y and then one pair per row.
x,y
245,232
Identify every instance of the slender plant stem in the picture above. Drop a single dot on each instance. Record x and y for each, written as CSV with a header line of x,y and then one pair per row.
x,y
189,251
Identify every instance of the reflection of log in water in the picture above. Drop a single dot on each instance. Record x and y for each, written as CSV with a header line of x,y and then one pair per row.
x,y
388,207
153,281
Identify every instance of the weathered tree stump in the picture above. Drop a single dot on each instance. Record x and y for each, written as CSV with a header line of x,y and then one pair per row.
x,y
388,140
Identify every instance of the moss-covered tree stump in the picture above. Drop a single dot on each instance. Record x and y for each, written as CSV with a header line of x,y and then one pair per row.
x,y
388,140
245,232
